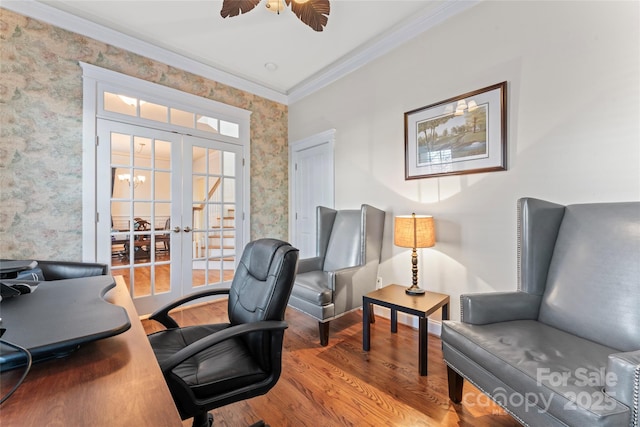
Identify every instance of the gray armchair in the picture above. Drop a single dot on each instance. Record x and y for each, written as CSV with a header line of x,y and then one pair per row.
x,y
564,349
348,247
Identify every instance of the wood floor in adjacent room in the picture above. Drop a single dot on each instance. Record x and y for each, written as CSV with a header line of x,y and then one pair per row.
x,y
340,385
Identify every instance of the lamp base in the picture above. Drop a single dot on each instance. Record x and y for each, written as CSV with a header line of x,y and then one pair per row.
x,y
414,290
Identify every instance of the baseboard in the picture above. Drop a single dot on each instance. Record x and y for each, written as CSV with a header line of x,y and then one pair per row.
x,y
434,327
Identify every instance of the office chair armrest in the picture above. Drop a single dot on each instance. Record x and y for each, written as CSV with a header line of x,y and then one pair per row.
x,y
161,315
213,339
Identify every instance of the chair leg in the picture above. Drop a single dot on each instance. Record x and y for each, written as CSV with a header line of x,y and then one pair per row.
x,y
456,382
324,333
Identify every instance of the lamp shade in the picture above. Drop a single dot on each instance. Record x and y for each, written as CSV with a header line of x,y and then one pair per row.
x,y
414,231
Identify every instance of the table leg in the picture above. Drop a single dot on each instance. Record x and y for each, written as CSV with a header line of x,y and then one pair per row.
x,y
366,326
423,345
445,312
394,321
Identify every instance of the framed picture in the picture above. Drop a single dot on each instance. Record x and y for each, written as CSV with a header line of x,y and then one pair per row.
x,y
465,134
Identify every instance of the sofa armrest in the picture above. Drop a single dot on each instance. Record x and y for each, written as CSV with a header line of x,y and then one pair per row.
x,y
309,264
349,285
622,380
343,278
492,307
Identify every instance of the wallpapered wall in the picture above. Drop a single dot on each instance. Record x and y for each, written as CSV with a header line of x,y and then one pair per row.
x,y
41,136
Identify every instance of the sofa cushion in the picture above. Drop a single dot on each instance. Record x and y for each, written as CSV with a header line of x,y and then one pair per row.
x,y
592,284
555,372
312,287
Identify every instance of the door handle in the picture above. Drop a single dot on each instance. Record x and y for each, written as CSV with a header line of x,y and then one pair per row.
x,y
176,229
187,229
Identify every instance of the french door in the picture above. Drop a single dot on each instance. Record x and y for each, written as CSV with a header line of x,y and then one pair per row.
x,y
169,211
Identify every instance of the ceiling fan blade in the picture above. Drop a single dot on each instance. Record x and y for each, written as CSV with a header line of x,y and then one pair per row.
x,y
314,13
236,7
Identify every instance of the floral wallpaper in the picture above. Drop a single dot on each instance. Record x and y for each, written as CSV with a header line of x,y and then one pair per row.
x,y
41,137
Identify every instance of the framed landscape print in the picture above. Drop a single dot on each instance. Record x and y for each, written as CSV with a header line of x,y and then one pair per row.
x,y
464,134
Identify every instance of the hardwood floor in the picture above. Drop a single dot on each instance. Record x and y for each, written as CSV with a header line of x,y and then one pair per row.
x,y
162,282
341,385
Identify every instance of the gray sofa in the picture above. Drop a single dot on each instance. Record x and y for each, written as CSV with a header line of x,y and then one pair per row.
x,y
564,349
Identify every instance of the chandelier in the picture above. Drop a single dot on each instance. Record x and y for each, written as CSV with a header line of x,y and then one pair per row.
x,y
137,179
314,13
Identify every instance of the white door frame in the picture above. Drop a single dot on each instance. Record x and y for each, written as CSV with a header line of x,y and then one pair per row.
x,y
95,79
326,138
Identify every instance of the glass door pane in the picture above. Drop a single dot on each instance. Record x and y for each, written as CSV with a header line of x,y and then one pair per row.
x,y
213,208
143,180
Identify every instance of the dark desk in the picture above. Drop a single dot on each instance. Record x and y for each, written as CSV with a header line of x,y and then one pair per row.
x,y
395,298
111,382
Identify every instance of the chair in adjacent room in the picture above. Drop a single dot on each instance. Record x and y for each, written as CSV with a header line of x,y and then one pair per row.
x,y
141,242
164,238
348,248
208,366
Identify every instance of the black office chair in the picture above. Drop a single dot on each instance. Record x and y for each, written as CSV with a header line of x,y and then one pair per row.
x,y
209,366
59,270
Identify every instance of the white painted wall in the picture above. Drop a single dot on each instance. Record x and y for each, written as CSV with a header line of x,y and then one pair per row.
x,y
573,130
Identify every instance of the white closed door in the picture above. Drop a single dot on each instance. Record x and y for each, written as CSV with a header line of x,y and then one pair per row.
x,y
312,184
167,208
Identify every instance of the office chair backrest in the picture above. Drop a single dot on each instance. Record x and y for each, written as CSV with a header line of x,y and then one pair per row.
x,y
59,270
261,288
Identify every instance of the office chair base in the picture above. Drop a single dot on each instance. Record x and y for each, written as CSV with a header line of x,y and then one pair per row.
x,y
203,420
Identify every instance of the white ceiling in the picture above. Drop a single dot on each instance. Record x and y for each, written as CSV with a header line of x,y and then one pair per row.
x,y
239,47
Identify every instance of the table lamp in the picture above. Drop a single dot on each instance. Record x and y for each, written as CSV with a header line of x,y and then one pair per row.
x,y
414,231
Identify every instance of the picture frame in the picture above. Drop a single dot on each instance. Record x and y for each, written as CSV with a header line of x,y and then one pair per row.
x,y
460,135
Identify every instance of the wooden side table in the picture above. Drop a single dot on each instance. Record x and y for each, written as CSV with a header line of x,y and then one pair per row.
x,y
395,298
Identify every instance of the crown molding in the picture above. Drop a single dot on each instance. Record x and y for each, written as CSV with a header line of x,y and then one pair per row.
x,y
392,39
69,22
383,44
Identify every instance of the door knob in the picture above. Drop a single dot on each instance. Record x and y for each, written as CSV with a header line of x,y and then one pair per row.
x,y
187,229
176,229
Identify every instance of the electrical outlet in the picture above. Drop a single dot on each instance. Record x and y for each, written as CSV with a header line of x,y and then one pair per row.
x,y
379,282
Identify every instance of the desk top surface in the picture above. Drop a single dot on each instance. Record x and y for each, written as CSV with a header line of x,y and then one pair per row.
x,y
395,295
115,381
59,316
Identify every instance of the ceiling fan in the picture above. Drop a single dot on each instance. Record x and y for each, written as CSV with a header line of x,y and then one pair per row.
x,y
314,13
